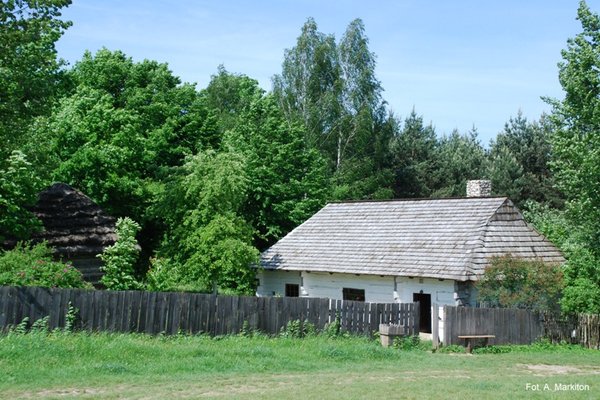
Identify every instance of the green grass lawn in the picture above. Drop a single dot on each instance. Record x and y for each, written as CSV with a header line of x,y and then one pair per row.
x,y
135,366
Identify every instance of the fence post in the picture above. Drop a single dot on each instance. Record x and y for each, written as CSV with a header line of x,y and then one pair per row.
x,y
435,323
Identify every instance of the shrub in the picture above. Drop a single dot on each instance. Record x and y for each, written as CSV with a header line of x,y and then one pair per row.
x,y
408,343
33,265
514,282
120,258
333,329
298,329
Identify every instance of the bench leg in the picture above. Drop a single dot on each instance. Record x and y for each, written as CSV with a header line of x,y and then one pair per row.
x,y
469,347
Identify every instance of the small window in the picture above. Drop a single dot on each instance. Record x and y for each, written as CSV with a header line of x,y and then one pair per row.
x,y
292,290
353,294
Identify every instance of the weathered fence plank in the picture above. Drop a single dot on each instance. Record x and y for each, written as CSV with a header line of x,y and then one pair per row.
x,y
155,313
517,326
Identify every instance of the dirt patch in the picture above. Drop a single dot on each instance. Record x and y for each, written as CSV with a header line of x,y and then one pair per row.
x,y
548,370
67,392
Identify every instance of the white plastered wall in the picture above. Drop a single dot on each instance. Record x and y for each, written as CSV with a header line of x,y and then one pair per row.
x,y
378,289
442,293
272,283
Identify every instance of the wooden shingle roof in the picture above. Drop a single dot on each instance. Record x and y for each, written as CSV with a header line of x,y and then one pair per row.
x,y
437,238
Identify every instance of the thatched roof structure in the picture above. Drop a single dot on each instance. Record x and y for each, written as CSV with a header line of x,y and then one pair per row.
x,y
75,227
435,238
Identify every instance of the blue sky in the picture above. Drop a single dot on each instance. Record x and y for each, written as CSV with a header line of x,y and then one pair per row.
x,y
458,63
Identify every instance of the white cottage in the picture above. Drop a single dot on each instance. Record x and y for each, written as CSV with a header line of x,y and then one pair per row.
x,y
426,250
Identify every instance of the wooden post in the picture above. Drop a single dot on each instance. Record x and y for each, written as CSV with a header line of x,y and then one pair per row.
x,y
435,323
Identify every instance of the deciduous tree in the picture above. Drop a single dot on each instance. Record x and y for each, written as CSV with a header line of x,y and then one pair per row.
x,y
30,71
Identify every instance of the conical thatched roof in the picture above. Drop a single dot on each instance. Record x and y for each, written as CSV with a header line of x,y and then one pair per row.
x,y
74,226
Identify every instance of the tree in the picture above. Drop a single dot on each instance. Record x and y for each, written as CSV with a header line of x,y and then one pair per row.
x,y
582,270
229,95
30,72
332,89
308,89
506,174
122,126
415,158
520,162
520,283
361,99
577,138
207,244
460,158
576,159
18,190
287,181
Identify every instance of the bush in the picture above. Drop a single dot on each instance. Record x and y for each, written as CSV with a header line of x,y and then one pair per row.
x,y
33,265
298,329
519,283
120,258
411,343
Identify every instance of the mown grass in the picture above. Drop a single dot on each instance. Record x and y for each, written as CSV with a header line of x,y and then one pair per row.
x,y
81,365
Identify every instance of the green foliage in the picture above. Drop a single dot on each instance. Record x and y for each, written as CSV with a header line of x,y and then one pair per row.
x,y
21,327
520,162
514,282
33,265
161,277
18,189
206,242
221,254
229,95
333,329
409,343
576,140
120,258
286,181
460,158
298,329
453,348
506,174
582,271
332,90
41,325
415,158
29,69
120,128
543,345
71,318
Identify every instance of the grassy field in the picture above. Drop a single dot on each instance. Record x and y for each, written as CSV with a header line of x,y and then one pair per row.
x,y
111,366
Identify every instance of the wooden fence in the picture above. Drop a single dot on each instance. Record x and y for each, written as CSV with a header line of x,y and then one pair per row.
x,y
515,326
191,313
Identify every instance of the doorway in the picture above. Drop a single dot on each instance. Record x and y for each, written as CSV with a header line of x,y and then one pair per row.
x,y
424,300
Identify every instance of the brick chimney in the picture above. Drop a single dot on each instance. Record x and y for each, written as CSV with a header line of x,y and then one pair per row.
x,y
479,188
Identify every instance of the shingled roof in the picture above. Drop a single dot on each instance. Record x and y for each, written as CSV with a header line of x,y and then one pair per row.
x,y
73,224
437,238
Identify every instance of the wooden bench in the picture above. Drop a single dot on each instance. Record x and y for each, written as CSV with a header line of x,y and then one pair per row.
x,y
470,338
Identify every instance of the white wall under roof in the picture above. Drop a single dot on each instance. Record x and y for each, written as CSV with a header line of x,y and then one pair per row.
x,y
441,291
322,284
272,283
378,289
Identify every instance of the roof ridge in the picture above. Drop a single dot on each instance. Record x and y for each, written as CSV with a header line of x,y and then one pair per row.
x,y
414,199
